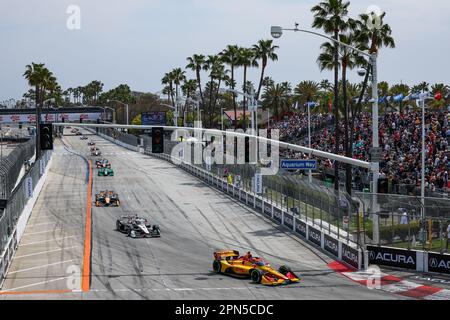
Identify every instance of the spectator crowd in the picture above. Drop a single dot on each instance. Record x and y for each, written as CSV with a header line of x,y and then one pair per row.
x,y
400,137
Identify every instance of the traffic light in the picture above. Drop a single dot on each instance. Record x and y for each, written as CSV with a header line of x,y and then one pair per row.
x,y
46,136
157,140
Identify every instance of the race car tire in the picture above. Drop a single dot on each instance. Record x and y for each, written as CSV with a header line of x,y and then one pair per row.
x,y
117,225
256,275
132,233
216,266
284,270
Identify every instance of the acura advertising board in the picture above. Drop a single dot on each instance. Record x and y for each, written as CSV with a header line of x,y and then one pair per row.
x,y
331,245
350,255
277,214
314,236
439,262
268,209
392,257
258,203
288,220
300,228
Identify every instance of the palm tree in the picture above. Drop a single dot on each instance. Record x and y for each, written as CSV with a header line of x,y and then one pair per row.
x,y
197,63
168,81
188,89
305,91
374,39
230,56
276,96
264,51
349,59
246,59
329,15
325,85
212,64
177,76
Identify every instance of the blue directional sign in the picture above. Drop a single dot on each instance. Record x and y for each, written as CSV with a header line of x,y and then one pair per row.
x,y
299,164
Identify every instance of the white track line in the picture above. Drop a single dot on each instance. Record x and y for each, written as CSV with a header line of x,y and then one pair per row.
x,y
166,289
31,233
40,224
36,284
42,252
42,266
43,241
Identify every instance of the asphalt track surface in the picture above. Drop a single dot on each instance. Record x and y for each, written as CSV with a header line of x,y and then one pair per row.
x,y
195,220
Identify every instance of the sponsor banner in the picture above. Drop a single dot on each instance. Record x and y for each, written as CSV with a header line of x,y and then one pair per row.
x,y
331,245
288,220
300,227
267,209
251,200
258,183
277,214
154,118
49,117
314,236
392,257
258,203
439,262
350,255
29,187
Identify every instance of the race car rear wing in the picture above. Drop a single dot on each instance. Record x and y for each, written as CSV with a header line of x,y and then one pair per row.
x,y
225,254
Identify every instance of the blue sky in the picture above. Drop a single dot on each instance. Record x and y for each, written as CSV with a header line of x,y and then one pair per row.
x,y
137,41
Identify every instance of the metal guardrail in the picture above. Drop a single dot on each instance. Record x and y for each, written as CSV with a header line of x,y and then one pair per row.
x,y
11,165
14,208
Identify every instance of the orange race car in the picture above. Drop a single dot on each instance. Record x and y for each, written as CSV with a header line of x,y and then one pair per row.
x,y
229,262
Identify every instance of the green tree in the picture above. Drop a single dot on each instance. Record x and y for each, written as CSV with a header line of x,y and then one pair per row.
x,y
230,56
247,58
330,16
264,51
306,91
276,97
196,63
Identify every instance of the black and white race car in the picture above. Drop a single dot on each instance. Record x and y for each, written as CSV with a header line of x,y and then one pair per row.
x,y
137,227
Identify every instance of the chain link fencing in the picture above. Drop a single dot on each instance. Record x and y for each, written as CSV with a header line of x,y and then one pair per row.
x,y
14,207
11,165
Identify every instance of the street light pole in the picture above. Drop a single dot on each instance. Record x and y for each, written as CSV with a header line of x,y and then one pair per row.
x,y
375,145
221,116
309,138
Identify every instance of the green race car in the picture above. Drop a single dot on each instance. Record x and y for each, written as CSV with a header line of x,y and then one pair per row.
x,y
104,172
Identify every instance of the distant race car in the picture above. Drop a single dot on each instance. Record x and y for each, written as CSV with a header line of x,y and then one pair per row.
x,y
94,148
136,227
78,133
229,262
96,153
107,199
104,172
74,130
91,143
83,138
102,163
